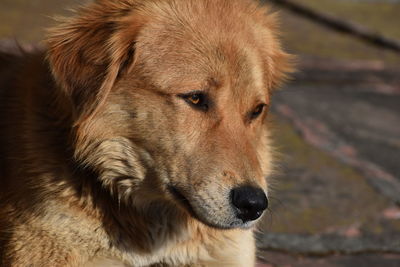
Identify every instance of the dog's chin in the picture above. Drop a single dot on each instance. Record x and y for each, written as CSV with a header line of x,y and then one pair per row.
x,y
185,204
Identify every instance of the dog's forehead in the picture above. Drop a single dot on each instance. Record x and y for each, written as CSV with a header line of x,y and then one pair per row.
x,y
238,68
182,47
191,59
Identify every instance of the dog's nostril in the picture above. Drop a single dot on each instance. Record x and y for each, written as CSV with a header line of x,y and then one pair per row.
x,y
249,201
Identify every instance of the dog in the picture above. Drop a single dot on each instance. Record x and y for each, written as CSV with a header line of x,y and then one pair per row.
x,y
139,136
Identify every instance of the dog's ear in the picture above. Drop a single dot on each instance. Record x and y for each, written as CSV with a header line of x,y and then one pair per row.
x,y
278,64
87,53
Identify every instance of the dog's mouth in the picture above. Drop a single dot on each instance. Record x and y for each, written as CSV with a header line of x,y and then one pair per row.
x,y
183,201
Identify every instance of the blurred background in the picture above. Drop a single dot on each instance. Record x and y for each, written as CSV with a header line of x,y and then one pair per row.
x,y
336,190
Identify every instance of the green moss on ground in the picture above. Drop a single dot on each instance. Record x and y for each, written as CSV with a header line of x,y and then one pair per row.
x,y
304,37
317,193
382,17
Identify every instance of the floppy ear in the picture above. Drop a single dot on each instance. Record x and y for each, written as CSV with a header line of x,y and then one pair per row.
x,y
88,53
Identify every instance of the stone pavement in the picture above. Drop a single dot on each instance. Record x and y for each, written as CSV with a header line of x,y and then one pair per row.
x,y
276,259
336,193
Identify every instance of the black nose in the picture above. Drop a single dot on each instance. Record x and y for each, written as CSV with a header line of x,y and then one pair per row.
x,y
249,201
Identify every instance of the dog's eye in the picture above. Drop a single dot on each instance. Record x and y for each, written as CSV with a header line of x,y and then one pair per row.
x,y
197,100
257,111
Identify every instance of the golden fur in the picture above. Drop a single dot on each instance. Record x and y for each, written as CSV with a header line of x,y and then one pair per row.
x,y
104,159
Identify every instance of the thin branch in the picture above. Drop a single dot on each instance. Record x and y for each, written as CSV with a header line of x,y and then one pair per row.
x,y
339,25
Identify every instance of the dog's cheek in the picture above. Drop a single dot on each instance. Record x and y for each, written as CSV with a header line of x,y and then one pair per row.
x,y
118,163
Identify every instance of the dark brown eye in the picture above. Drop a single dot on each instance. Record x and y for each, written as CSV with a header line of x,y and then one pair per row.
x,y
197,100
257,111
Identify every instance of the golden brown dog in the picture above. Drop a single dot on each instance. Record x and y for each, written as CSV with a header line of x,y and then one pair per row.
x,y
139,137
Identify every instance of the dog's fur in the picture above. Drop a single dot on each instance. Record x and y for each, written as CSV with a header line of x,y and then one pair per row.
x,y
105,161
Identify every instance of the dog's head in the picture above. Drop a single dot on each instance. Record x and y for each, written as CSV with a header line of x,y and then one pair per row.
x,y
170,99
